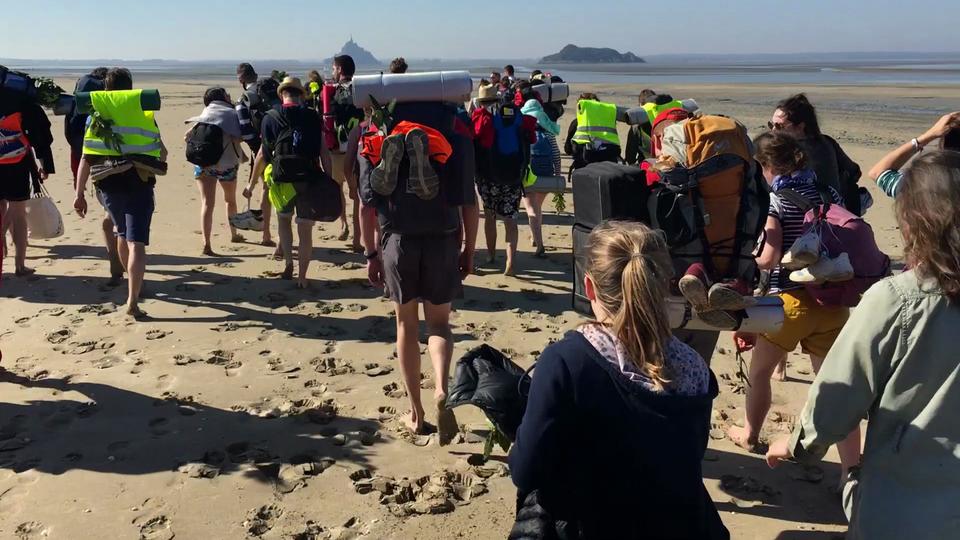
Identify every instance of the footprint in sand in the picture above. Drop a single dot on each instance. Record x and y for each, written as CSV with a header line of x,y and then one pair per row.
x,y
31,530
184,359
22,321
107,362
260,520
157,334
157,528
376,370
394,390
332,366
99,309
384,413
84,347
59,336
53,312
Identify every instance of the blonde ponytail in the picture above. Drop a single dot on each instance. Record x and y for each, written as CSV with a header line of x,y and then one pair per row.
x,y
630,267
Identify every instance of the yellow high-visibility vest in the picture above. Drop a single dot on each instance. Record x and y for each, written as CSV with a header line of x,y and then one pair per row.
x,y
135,129
596,123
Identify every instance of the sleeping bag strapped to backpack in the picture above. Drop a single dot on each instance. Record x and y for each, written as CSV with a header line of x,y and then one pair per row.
x,y
204,146
712,200
841,231
296,151
505,162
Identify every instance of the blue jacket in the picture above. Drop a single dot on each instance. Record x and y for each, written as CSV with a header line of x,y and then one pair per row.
x,y
605,453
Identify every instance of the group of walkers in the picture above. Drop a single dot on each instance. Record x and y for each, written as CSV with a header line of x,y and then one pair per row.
x,y
642,392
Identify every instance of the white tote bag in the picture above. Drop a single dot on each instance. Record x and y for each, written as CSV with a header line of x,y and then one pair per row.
x,y
43,219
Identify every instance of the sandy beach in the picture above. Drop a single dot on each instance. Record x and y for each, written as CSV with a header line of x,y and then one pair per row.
x,y
247,408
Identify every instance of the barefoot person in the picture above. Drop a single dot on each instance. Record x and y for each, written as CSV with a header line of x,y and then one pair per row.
x,y
75,124
806,323
419,257
24,136
123,168
886,173
251,109
616,423
895,364
219,112
544,161
293,134
347,119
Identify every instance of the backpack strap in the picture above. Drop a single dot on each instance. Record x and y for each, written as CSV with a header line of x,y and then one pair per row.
x,y
797,199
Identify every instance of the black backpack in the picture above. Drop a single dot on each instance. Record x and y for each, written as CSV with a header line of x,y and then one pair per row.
x,y
297,148
204,144
261,98
346,115
506,161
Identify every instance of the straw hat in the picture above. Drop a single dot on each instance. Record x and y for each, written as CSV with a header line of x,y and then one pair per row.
x,y
487,93
291,82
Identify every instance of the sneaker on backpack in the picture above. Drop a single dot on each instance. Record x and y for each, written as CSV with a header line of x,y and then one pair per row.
x,y
383,178
824,270
694,285
804,252
423,180
719,319
249,220
725,296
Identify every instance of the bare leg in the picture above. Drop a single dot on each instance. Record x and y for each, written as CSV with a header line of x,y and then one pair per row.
x,y
344,228
6,226
848,448
230,198
16,215
357,240
305,251
285,232
440,347
113,255
765,358
408,351
490,232
534,204
208,198
780,373
266,208
513,237
135,255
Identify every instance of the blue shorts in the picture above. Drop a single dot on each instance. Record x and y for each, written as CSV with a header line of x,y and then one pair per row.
x,y
131,213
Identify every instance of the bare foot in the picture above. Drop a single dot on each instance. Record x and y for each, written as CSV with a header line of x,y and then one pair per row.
x,y
508,271
780,372
237,238
541,253
303,283
268,242
491,258
135,312
357,248
446,421
115,281
414,423
344,233
287,273
24,271
741,438
208,251
277,254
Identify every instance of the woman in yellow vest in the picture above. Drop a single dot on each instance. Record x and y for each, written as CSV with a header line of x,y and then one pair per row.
x,y
122,153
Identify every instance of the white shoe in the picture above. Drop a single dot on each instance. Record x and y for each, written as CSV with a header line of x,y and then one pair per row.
x,y
824,270
250,220
804,252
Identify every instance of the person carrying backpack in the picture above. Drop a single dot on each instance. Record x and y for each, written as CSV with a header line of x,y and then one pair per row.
x,y
213,145
592,136
806,322
346,118
299,163
503,138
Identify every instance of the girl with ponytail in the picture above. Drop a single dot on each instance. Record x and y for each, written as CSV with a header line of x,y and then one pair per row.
x,y
618,414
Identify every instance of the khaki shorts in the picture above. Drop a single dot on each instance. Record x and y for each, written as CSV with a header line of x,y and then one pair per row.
x,y
807,323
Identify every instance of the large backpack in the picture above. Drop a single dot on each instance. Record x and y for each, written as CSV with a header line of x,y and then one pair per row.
x,y
261,98
841,231
712,200
17,81
506,161
204,144
346,115
402,212
296,151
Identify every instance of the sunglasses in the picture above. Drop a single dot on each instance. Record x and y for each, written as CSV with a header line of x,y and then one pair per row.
x,y
776,126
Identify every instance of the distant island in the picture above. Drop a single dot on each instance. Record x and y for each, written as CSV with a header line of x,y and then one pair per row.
x,y
361,57
571,54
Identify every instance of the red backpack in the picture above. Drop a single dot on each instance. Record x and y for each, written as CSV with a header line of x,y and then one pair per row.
x,y
842,231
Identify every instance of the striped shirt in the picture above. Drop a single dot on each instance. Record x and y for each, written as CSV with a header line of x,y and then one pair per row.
x,y
890,182
248,132
791,223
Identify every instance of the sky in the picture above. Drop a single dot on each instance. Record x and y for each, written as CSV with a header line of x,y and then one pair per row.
x,y
457,29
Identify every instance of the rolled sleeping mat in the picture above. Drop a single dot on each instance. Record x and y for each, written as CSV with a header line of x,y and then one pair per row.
x,y
63,105
552,92
448,86
149,101
634,116
690,105
547,184
765,317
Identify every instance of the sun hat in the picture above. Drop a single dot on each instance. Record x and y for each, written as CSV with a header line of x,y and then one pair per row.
x,y
487,93
291,82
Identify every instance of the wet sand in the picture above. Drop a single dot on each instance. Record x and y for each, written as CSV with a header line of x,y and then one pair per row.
x,y
245,407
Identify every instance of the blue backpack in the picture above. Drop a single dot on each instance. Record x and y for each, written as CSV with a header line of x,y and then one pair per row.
x,y
506,162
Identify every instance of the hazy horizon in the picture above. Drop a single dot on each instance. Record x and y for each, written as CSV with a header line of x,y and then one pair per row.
x,y
497,29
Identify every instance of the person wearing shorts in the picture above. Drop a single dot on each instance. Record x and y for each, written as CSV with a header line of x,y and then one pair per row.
x,y
419,259
18,168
